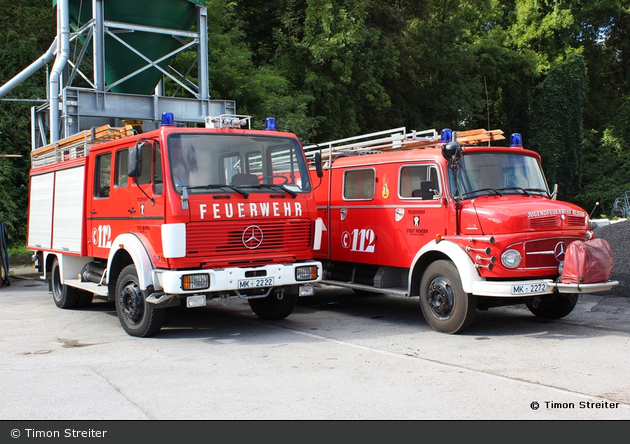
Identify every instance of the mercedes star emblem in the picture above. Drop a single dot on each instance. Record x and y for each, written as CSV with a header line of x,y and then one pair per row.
x,y
559,250
252,237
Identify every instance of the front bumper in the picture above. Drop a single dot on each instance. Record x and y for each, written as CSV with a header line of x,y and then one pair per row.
x,y
228,279
506,288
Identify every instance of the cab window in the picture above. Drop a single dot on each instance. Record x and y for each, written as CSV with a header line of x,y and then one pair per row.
x,y
411,178
122,162
102,175
359,184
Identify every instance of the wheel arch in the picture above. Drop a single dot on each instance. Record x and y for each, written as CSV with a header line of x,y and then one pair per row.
x,y
443,250
128,249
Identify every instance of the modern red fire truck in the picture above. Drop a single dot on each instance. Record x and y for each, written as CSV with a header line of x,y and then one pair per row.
x,y
174,215
449,218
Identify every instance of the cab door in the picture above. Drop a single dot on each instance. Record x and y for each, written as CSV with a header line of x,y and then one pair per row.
x,y
353,215
145,206
420,216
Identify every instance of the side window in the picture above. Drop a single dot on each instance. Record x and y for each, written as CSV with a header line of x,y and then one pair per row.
x,y
411,178
157,171
103,175
147,161
359,184
122,162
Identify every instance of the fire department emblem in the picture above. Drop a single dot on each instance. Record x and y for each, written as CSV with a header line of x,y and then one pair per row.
x,y
252,237
416,221
559,250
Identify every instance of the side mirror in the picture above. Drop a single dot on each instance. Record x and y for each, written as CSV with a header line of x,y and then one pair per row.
x,y
318,165
426,189
134,164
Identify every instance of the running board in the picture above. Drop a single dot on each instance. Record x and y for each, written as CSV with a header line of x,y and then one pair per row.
x,y
99,290
392,291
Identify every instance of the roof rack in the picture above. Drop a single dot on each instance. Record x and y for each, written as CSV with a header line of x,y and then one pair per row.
x,y
396,139
77,145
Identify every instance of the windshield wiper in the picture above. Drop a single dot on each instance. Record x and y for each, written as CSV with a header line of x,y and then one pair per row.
x,y
516,189
276,186
492,190
216,186
538,190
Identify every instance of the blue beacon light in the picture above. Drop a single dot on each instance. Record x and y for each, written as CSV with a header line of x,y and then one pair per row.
x,y
270,124
447,135
168,119
516,140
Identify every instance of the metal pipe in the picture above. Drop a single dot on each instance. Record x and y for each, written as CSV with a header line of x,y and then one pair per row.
x,y
63,54
29,70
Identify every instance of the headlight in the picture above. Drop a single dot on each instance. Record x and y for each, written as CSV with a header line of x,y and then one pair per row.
x,y
195,281
307,273
511,259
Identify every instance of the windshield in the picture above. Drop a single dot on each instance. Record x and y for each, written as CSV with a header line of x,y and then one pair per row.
x,y
498,174
228,163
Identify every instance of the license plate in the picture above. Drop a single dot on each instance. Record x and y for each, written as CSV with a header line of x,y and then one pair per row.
x,y
529,288
255,283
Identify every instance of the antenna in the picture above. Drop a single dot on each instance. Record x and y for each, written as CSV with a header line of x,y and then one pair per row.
x,y
485,84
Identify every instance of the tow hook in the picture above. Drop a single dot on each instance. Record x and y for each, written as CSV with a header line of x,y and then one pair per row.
x,y
536,302
280,293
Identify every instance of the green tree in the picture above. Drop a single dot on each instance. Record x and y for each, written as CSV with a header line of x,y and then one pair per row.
x,y
556,129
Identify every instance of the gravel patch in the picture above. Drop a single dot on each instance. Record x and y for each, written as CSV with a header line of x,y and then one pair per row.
x,y
618,236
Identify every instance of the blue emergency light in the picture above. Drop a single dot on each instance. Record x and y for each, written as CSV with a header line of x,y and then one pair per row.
x,y
447,136
270,124
516,140
168,119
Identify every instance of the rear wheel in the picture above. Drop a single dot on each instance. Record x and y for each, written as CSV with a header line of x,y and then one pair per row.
x,y
554,307
445,305
136,316
64,296
271,308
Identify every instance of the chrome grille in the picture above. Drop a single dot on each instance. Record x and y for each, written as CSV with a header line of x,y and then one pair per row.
x,y
540,253
205,239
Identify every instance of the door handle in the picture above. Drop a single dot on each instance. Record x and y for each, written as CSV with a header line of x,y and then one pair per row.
x,y
93,211
132,210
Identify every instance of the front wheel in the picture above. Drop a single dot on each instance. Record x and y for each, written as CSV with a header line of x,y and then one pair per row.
x,y
554,307
271,308
136,316
445,305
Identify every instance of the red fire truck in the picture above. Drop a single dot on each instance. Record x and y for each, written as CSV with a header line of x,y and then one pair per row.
x,y
174,215
449,218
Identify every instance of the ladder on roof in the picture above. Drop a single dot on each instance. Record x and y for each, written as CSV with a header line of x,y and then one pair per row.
x,y
395,139
77,145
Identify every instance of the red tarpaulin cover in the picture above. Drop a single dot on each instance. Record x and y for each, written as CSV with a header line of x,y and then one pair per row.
x,y
587,262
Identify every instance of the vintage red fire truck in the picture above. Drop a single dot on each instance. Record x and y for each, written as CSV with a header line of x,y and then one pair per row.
x,y
449,218
175,215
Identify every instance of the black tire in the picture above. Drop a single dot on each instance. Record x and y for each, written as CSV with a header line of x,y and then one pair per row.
x,y
64,296
271,308
554,307
445,305
136,316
